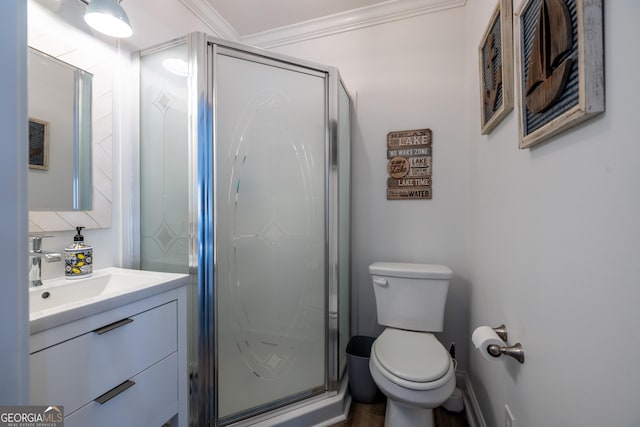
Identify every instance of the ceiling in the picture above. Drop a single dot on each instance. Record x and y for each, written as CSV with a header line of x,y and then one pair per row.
x,y
255,16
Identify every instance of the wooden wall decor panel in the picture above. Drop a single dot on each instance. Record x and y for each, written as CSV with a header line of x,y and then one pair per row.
x,y
495,55
560,66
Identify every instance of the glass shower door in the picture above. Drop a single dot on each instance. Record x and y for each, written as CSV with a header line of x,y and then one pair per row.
x,y
270,169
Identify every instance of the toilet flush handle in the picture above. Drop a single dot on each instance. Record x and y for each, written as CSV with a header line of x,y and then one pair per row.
x,y
380,281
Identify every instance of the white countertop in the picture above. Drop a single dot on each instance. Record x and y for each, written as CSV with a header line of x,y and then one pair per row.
x,y
61,300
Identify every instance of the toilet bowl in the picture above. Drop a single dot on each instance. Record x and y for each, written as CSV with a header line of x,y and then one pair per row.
x,y
408,364
416,374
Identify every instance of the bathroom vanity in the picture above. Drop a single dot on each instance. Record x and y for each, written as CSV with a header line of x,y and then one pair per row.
x,y
116,355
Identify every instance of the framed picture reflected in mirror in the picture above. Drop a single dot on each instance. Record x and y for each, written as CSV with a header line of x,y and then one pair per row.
x,y
38,144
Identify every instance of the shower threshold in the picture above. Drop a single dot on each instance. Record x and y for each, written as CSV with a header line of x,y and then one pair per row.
x,y
320,410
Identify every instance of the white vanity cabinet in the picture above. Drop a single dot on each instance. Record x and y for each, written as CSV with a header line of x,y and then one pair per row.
x,y
123,367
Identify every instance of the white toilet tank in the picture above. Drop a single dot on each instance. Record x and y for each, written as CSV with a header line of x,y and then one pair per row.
x,y
410,296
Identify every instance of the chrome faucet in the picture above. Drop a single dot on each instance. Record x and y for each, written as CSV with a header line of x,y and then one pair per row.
x,y
35,259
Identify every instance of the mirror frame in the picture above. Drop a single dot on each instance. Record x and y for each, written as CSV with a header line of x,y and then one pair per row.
x,y
55,37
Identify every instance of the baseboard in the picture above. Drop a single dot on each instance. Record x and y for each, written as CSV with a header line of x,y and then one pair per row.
x,y
471,405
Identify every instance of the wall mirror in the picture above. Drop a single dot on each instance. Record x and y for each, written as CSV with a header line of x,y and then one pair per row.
x,y
59,174
56,28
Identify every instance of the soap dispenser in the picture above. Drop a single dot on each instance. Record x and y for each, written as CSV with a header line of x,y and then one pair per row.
x,y
78,257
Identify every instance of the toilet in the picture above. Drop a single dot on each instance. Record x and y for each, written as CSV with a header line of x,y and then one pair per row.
x,y
408,364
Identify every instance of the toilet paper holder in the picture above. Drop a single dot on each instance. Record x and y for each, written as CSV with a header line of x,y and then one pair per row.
x,y
501,331
516,351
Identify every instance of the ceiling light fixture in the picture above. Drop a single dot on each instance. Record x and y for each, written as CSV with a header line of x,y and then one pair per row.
x,y
108,17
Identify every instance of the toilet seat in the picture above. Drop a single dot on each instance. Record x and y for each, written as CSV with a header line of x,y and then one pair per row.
x,y
415,360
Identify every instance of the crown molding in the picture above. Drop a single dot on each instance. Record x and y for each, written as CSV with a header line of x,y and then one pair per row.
x,y
212,19
391,10
388,11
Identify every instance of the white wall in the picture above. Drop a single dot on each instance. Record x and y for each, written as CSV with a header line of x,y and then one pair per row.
x,y
407,75
554,249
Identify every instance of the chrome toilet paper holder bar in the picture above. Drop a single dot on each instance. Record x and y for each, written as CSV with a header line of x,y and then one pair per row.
x,y
516,351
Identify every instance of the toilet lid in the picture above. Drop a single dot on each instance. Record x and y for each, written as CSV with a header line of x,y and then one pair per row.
x,y
413,356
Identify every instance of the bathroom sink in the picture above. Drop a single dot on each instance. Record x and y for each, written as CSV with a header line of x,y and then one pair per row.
x,y
61,300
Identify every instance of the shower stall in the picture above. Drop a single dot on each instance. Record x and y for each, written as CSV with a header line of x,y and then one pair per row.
x,y
244,184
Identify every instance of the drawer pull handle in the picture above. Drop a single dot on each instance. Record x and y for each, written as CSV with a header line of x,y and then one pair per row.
x,y
114,392
112,326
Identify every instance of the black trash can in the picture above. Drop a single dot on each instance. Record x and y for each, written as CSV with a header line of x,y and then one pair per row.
x,y
362,387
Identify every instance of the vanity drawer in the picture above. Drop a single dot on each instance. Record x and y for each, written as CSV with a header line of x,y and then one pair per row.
x,y
76,371
150,401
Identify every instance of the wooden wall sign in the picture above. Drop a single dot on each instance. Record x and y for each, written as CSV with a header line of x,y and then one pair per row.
x,y
560,73
409,165
496,68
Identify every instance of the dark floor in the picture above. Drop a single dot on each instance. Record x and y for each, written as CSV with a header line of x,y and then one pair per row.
x,y
372,415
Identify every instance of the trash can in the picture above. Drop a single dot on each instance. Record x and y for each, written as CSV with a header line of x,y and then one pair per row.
x,y
362,387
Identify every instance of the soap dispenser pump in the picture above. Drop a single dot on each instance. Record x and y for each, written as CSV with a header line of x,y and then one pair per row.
x,y
78,257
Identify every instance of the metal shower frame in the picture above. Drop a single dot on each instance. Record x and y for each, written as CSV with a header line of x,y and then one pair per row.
x,y
203,50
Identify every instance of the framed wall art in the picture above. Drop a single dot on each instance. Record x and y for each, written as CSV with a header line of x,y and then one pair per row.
x,y
560,66
496,68
410,163
38,144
